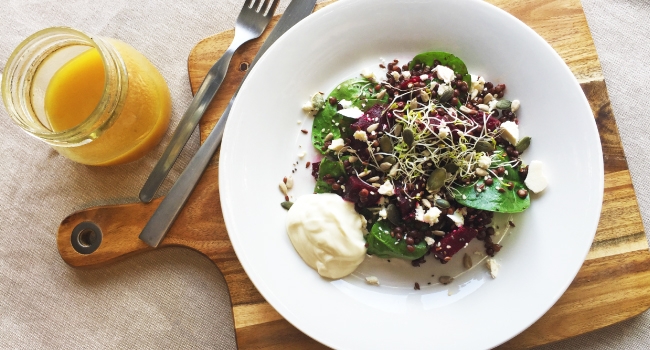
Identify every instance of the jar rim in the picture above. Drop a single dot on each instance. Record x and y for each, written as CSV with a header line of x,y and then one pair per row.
x,y
30,53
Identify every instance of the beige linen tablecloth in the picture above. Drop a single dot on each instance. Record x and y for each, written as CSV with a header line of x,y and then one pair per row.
x,y
175,298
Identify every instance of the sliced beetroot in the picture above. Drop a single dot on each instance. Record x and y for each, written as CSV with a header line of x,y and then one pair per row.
x,y
361,149
372,116
490,122
405,204
315,166
353,188
452,243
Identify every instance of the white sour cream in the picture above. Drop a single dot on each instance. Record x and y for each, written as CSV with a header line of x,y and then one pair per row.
x,y
327,233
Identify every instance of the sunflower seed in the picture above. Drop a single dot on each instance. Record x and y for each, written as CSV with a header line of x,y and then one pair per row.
x,y
286,205
445,279
385,166
283,188
481,172
329,137
488,97
352,159
438,233
467,261
424,96
484,108
373,179
372,127
426,203
289,182
381,94
414,103
398,130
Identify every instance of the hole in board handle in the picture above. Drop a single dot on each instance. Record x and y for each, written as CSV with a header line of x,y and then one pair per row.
x,y
86,237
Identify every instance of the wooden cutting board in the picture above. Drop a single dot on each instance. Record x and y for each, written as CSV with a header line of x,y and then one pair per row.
x,y
611,286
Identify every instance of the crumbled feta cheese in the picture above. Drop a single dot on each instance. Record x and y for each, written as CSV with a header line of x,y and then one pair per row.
x,y
301,154
484,162
337,145
429,240
493,267
395,75
361,135
353,113
419,213
493,104
477,85
368,74
536,180
432,215
446,74
308,107
345,104
372,280
424,77
457,218
387,189
406,74
514,106
443,132
383,213
510,132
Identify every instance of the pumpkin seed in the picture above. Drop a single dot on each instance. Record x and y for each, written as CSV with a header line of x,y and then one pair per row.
x,y
446,94
392,214
523,144
467,261
442,203
398,130
438,233
436,180
408,137
385,144
503,104
445,279
389,159
483,146
451,167
286,205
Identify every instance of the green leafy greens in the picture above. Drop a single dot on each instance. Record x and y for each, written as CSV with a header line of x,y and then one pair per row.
x,y
328,120
490,198
446,59
328,166
381,244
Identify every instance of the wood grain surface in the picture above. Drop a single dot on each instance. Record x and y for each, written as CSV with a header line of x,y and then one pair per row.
x,y
611,286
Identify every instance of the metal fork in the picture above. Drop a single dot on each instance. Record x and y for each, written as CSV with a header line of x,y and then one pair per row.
x,y
250,24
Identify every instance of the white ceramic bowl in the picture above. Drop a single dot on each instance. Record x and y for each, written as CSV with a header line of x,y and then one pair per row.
x,y
540,257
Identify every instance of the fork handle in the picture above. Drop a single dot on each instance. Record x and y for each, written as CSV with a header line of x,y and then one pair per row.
x,y
188,123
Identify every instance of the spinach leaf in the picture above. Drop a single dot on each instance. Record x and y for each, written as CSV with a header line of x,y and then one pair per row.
x,y
327,120
381,244
490,198
328,166
446,59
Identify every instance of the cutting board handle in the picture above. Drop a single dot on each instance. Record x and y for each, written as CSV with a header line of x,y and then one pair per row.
x,y
101,235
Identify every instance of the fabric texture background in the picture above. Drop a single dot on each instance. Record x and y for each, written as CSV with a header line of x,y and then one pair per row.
x,y
175,298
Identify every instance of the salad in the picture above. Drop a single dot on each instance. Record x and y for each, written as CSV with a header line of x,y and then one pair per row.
x,y
426,155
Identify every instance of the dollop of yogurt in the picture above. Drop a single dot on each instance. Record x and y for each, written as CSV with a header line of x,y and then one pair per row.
x,y
327,233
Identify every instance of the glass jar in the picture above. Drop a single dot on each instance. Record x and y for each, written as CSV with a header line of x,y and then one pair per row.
x,y
52,88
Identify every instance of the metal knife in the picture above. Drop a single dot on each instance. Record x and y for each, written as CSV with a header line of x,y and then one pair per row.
x,y
163,218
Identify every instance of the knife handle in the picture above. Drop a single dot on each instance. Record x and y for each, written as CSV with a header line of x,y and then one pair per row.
x,y
188,122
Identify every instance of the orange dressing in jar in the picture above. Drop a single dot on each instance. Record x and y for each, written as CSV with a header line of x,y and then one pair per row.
x,y
96,101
